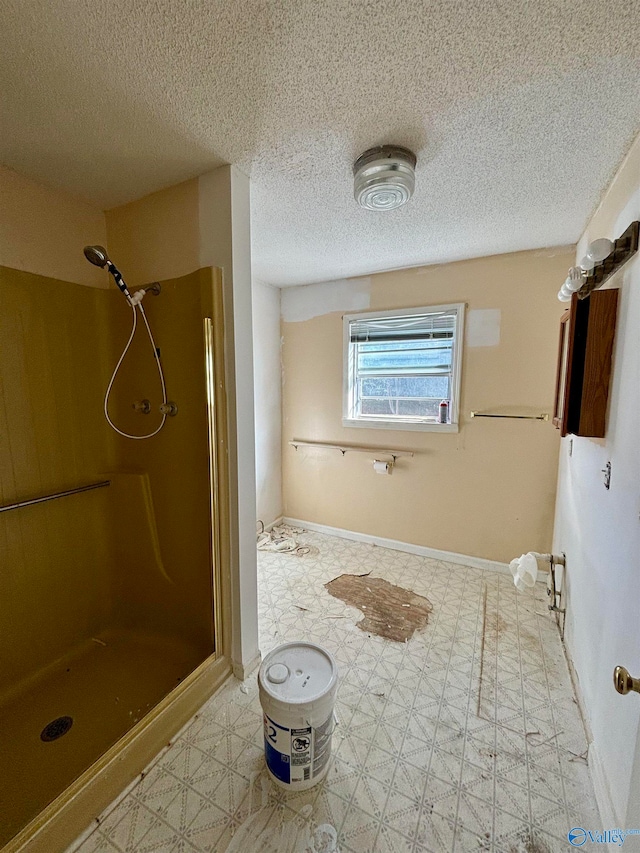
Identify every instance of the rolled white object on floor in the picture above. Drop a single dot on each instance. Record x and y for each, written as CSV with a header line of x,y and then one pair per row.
x,y
381,467
525,571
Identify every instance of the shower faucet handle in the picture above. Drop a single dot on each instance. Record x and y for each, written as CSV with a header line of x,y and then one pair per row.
x,y
142,406
169,409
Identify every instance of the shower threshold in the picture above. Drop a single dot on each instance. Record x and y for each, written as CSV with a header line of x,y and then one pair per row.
x,y
87,700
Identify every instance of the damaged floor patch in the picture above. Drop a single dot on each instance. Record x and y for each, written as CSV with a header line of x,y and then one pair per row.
x,y
389,611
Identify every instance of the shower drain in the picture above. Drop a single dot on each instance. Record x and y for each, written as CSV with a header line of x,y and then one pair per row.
x,y
56,728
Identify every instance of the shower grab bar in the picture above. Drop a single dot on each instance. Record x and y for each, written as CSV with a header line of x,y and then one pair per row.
x,y
53,497
345,448
542,417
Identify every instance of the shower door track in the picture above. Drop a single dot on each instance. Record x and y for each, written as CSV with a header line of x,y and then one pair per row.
x,y
55,496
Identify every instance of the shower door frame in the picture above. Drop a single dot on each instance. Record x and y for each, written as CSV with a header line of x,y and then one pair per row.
x,y
212,301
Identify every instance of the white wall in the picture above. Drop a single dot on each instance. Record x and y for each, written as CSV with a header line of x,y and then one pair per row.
x,y
267,373
225,241
600,530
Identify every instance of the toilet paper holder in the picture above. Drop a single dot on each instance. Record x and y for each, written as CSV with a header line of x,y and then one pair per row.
x,y
382,467
525,573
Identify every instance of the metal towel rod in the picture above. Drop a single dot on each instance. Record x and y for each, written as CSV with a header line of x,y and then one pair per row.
x,y
45,498
542,417
345,448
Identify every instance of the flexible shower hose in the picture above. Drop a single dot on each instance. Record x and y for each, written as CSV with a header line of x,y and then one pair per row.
x,y
117,367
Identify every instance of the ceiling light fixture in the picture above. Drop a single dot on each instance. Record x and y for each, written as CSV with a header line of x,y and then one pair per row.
x,y
384,177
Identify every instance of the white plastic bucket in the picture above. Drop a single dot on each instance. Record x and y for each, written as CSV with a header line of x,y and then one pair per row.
x,y
298,684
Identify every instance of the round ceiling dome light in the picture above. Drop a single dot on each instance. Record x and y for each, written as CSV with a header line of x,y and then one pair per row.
x,y
384,177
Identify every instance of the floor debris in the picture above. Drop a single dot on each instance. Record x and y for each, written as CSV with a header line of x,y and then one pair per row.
x,y
546,740
281,538
583,757
383,605
494,628
269,829
529,844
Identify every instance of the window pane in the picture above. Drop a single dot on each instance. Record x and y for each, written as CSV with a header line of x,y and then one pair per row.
x,y
418,408
406,386
419,355
400,408
378,407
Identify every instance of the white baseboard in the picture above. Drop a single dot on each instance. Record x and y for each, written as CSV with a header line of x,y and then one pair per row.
x,y
608,815
271,525
577,692
599,779
408,547
243,671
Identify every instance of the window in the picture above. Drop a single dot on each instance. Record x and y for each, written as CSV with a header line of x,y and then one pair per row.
x,y
399,366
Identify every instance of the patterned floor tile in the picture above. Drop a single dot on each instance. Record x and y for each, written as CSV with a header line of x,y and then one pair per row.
x,y
127,824
465,738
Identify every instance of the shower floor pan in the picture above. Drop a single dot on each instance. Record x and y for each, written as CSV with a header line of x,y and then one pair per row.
x,y
105,685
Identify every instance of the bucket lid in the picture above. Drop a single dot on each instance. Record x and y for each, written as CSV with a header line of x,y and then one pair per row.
x,y
298,673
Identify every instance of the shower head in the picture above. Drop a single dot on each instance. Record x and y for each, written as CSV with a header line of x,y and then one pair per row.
x,y
96,255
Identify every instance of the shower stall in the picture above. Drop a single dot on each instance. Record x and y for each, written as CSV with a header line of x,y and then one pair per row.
x,y
111,589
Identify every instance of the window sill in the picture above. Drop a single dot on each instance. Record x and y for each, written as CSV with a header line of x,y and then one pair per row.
x,y
392,426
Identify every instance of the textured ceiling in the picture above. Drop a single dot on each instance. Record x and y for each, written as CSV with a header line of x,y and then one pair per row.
x,y
519,113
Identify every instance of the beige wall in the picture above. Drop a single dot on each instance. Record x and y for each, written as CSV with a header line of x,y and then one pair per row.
x,y
487,491
43,231
156,237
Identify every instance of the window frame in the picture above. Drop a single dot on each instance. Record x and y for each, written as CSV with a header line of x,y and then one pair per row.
x,y
380,422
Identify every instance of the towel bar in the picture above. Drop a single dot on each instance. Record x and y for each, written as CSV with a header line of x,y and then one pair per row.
x,y
542,417
53,497
358,448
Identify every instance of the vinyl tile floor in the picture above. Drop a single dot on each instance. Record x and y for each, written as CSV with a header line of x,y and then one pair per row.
x,y
465,738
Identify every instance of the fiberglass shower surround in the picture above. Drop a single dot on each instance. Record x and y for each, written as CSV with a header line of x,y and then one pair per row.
x,y
97,255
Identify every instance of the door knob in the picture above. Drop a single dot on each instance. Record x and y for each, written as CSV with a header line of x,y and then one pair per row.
x,y
625,683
